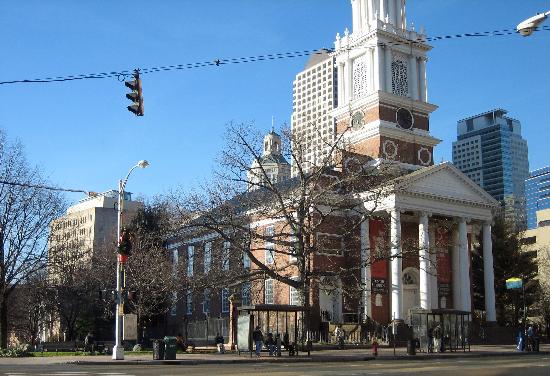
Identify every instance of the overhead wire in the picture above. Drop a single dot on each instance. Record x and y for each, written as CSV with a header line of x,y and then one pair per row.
x,y
258,58
46,187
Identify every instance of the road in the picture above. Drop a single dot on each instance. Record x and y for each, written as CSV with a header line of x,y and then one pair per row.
x,y
487,366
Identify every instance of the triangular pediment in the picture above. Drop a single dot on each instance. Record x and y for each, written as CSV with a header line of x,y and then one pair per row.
x,y
444,181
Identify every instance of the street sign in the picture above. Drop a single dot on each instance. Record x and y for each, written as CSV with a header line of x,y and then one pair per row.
x,y
514,283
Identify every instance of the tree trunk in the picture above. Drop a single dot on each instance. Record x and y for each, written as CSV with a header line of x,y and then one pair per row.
x,y
4,322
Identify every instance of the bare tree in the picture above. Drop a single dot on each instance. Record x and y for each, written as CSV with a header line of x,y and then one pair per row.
x,y
151,272
316,214
25,213
31,306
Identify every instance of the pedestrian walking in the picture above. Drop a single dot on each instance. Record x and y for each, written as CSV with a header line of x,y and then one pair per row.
x,y
258,339
89,342
220,343
270,344
374,346
437,338
430,340
339,336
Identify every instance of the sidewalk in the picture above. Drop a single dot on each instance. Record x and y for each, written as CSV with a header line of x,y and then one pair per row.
x,y
346,355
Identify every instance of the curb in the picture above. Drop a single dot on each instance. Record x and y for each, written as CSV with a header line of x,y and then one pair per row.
x,y
320,359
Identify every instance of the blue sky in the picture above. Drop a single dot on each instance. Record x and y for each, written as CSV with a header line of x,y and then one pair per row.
x,y
82,136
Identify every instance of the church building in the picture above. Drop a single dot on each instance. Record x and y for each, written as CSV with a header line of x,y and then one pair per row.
x,y
372,89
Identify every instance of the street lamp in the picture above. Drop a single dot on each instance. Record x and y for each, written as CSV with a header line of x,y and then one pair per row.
x,y
118,349
530,25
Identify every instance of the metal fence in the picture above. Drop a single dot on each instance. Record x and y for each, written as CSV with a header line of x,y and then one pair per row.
x,y
208,329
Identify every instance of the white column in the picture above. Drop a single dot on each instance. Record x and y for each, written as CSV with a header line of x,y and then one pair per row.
x,y
349,76
455,271
396,281
391,11
403,20
424,261
488,273
365,269
355,15
367,11
433,269
341,84
370,77
377,70
346,84
413,68
464,265
423,80
387,62
383,10
360,17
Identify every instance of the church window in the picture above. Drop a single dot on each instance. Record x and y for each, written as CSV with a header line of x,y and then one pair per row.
x,y
400,84
360,78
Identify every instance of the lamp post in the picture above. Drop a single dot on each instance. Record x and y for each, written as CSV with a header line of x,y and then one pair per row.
x,y
118,349
530,25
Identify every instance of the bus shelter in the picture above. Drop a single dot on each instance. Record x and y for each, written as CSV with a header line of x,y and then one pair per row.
x,y
285,320
452,325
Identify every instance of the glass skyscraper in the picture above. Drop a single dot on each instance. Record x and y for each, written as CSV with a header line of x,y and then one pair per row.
x,y
537,192
490,151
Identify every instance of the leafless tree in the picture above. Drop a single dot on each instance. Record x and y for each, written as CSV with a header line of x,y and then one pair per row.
x,y
31,308
25,213
151,272
318,212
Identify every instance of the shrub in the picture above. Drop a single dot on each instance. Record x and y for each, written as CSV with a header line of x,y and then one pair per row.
x,y
15,351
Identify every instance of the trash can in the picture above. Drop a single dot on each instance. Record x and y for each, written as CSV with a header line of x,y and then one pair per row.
x,y
170,348
158,349
411,347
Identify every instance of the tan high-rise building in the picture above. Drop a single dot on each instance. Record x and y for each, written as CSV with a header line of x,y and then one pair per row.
x,y
87,227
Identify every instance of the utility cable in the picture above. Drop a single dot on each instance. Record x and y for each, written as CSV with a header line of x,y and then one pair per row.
x,y
49,188
121,75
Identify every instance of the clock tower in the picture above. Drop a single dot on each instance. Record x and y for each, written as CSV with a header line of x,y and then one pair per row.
x,y
382,101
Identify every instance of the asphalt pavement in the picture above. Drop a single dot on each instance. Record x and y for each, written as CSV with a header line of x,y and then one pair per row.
x,y
511,364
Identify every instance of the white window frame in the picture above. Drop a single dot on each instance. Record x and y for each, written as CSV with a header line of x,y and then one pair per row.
x,y
189,302
246,289
269,246
207,261
225,255
294,295
292,259
190,260
269,291
206,301
225,300
246,260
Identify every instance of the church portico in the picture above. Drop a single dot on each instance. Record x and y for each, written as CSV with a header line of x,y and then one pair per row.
x,y
429,214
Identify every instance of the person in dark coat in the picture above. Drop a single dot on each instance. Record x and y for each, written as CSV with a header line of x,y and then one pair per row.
x,y
258,338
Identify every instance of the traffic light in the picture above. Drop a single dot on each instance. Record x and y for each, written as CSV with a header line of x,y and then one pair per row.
x,y
125,243
136,96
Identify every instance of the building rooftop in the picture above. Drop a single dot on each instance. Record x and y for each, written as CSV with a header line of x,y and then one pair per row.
x,y
317,57
498,112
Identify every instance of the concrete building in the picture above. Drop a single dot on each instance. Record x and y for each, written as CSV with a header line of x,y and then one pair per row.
x,y
87,227
537,192
382,110
538,240
313,97
490,151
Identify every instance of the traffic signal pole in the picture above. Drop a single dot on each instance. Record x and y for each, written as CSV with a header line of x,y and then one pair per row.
x,y
118,349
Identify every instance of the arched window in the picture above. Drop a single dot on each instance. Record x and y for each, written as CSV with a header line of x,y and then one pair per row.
x,y
410,276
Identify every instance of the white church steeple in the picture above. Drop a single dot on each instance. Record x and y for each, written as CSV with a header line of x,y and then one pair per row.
x,y
382,87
